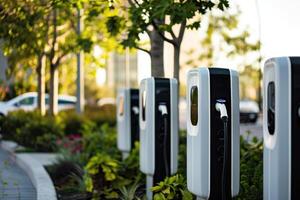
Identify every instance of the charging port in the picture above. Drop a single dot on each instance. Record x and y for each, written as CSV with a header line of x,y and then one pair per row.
x,y
271,108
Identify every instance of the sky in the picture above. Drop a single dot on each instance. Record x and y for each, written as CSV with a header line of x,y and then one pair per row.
x,y
278,22
275,22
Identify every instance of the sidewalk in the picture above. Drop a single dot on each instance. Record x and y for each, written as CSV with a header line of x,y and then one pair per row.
x,y
14,183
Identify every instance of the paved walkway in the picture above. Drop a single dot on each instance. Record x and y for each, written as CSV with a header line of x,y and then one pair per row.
x,y
14,183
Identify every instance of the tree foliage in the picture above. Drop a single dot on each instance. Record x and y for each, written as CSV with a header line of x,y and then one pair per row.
x,y
225,39
156,18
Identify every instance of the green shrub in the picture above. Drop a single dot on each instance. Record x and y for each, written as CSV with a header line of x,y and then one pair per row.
x,y
182,153
75,124
16,120
101,115
104,140
32,130
98,115
251,169
131,167
40,135
251,173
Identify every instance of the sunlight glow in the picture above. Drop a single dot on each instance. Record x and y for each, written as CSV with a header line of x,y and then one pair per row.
x,y
97,51
100,76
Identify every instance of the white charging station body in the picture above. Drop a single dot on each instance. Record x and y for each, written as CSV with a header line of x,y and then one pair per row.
x,y
127,118
153,92
281,128
147,125
204,87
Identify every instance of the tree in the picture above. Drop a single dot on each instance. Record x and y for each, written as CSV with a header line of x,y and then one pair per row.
x,y
225,39
23,34
157,19
43,29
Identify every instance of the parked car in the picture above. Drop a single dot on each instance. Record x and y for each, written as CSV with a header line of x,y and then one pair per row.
x,y
28,102
249,111
106,101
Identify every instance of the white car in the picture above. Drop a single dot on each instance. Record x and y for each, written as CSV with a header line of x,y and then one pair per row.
x,y
249,111
28,102
106,101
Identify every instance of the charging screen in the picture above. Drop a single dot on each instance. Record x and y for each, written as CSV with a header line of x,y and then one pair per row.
x,y
271,107
121,106
144,105
194,105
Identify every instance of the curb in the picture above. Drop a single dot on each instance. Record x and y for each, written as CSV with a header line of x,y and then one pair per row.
x,y
36,172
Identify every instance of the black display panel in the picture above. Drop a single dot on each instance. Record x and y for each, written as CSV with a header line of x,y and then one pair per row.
x,y
295,128
271,107
134,122
194,105
219,89
162,96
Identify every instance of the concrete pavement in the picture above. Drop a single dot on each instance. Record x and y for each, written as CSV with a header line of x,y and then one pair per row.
x,y
14,183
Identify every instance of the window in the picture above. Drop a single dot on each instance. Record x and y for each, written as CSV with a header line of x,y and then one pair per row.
x,y
27,101
271,108
47,100
65,102
194,105
144,106
121,106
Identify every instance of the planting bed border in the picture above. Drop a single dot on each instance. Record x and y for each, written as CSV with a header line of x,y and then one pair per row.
x,y
35,170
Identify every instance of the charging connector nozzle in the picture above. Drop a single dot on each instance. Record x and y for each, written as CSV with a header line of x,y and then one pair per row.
x,y
163,109
221,107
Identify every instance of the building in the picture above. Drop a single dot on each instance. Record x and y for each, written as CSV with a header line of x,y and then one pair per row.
x,y
122,70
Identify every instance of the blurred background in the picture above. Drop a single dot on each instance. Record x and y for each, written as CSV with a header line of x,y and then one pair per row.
x,y
241,38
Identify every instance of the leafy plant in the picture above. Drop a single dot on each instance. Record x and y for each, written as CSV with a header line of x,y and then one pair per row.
x,y
251,166
130,192
104,178
68,178
103,140
173,187
182,153
131,167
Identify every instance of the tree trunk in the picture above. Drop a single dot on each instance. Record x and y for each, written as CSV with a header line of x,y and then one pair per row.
x,y
157,52
3,65
53,97
41,83
176,58
80,69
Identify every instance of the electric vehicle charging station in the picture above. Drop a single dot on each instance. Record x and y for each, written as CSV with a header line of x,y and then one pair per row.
x,y
281,128
213,138
128,119
158,129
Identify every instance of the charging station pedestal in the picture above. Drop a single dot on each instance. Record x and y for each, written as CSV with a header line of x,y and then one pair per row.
x,y
158,129
205,133
128,119
281,128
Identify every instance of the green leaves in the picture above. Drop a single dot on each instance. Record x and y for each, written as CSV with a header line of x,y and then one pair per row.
x,y
173,187
113,25
85,44
251,169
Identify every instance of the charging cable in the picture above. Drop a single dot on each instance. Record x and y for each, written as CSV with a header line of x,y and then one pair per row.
x,y
164,112
221,107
